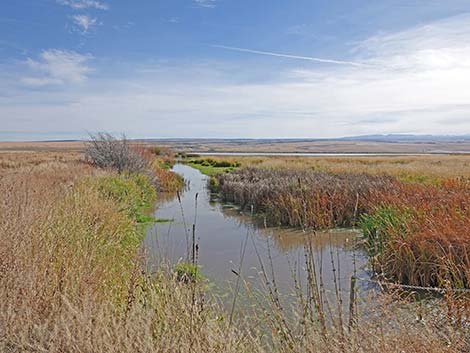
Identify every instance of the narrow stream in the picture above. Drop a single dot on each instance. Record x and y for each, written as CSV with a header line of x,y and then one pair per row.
x,y
221,231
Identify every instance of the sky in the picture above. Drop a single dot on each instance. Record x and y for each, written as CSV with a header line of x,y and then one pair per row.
x,y
233,68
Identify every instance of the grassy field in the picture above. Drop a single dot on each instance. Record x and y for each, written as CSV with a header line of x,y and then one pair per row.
x,y
317,146
408,168
72,278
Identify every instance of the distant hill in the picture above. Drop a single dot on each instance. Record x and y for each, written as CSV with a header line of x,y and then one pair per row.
x,y
392,143
366,138
406,138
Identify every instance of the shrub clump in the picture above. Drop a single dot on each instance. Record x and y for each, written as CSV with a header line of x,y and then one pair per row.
x,y
105,151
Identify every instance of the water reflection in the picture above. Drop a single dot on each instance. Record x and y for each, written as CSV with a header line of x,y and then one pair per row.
x,y
286,239
221,231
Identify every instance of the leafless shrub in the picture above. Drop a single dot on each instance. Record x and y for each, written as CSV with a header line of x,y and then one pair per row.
x,y
105,151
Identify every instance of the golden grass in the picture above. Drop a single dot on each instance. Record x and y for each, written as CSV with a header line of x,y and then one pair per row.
x,y
407,168
17,161
70,282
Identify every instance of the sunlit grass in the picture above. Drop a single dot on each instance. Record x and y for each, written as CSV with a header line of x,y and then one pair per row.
x,y
416,231
428,169
73,279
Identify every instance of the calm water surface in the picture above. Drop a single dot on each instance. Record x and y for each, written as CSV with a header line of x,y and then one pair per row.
x,y
221,231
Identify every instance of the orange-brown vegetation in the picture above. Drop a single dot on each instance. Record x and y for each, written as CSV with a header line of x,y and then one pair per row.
x,y
415,212
72,280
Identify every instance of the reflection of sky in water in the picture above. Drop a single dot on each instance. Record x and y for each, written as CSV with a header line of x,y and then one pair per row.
x,y
221,231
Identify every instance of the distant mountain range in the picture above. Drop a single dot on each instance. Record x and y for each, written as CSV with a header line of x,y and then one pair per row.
x,y
406,137
366,138
370,138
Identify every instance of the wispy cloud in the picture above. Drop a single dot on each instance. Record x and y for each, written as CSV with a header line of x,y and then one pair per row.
x,y
57,67
173,20
84,4
84,22
413,81
437,45
289,56
205,3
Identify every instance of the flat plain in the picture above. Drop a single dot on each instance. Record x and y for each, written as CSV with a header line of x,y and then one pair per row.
x,y
273,146
71,269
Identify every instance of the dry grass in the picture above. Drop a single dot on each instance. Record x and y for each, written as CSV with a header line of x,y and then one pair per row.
x,y
312,146
422,233
302,198
406,168
71,280
18,161
415,211
70,272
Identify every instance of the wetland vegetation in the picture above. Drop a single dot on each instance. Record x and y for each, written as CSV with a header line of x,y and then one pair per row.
x,y
415,224
73,272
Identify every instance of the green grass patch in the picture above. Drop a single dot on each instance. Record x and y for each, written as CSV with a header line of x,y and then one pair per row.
x,y
210,170
164,220
103,219
418,178
383,226
211,167
133,193
187,272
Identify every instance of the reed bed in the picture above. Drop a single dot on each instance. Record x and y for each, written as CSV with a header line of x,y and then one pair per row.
x,y
416,233
420,234
72,280
300,198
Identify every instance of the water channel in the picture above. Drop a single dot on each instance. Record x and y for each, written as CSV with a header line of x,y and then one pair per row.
x,y
222,230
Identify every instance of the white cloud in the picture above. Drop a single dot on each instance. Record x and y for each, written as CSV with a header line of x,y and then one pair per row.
x,y
40,81
84,4
58,67
85,22
415,81
205,3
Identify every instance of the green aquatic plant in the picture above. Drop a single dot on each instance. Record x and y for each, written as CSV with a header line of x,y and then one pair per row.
x,y
187,272
212,167
381,226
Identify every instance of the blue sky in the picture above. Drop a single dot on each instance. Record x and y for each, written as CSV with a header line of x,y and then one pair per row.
x,y
233,68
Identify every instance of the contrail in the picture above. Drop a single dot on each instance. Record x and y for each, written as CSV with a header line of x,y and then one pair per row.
x,y
297,57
